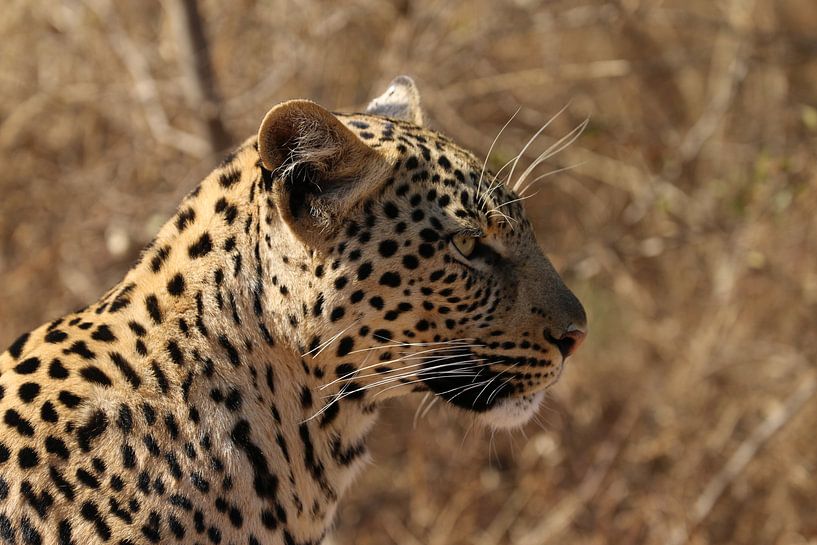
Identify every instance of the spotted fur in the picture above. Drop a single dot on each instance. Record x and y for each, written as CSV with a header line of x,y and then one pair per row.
x,y
223,391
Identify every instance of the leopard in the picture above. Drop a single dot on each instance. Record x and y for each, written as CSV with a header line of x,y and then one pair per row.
x,y
223,392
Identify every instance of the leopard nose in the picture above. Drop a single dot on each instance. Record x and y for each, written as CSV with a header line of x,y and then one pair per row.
x,y
569,341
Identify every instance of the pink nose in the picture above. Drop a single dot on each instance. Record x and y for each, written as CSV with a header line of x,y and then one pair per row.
x,y
570,341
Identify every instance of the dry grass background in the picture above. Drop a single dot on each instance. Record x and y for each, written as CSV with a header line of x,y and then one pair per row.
x,y
686,224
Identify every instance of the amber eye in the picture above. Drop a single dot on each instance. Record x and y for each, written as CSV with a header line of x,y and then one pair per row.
x,y
465,244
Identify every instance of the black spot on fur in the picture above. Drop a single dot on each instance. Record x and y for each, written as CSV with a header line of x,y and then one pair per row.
x,y
175,285
103,334
201,247
27,458
185,218
232,353
28,366
390,279
127,370
175,353
91,430
16,348
95,375
28,391
55,336
152,306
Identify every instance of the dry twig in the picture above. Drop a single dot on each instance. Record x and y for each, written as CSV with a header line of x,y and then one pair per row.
x,y
197,70
744,454
563,514
145,88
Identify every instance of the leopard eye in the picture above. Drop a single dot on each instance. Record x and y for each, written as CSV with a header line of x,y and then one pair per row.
x,y
465,244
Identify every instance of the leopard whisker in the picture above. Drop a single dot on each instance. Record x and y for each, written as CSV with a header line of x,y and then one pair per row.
x,y
506,203
321,347
434,400
397,378
407,357
495,182
494,378
354,375
490,149
448,344
406,384
558,146
419,410
549,173
447,347
404,368
464,388
338,397
534,137
504,216
500,388
492,446
468,431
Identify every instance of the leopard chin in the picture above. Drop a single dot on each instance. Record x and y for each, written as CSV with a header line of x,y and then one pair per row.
x,y
512,412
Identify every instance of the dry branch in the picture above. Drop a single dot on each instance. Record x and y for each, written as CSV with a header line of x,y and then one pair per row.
x,y
535,77
197,71
145,88
744,454
563,513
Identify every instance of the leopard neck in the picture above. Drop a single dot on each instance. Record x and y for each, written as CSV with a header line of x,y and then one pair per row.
x,y
216,318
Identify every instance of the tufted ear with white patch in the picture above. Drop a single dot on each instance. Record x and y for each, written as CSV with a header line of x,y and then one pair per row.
x,y
318,168
400,101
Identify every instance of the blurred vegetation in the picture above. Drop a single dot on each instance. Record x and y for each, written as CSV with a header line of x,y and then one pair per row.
x,y
685,220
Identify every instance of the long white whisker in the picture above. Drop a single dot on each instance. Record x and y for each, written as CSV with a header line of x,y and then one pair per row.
x,y
495,377
511,202
496,182
404,368
457,368
491,445
419,410
443,344
433,401
464,437
465,388
534,137
321,347
555,148
488,155
390,379
504,216
488,384
550,173
500,388
403,384
405,371
407,357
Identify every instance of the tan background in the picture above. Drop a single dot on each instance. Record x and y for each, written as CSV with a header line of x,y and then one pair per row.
x,y
686,224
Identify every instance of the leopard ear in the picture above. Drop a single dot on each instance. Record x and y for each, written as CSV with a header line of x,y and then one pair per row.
x,y
317,167
401,101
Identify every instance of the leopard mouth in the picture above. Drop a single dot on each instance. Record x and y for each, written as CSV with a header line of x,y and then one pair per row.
x,y
468,381
490,383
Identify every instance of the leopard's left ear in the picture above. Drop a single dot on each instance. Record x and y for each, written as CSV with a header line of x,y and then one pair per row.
x,y
400,101
319,170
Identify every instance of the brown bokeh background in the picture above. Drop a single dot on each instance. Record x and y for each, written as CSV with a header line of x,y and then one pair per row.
x,y
685,221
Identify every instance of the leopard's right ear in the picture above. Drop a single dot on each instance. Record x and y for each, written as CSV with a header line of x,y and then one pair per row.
x,y
320,168
401,101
